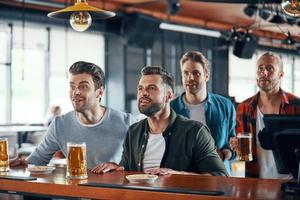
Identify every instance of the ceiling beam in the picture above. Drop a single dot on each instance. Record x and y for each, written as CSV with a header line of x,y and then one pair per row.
x,y
49,7
202,23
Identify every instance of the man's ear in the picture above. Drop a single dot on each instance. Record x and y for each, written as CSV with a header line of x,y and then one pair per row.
x,y
281,74
169,95
207,75
100,92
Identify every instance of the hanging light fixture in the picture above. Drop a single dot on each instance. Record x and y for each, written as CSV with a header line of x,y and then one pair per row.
x,y
250,10
173,7
289,40
277,18
291,7
234,34
264,12
81,15
290,20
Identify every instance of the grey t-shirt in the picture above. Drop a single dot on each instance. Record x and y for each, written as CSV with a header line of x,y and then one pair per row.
x,y
103,141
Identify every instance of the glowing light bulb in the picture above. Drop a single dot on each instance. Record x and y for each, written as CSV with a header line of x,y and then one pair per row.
x,y
291,8
80,21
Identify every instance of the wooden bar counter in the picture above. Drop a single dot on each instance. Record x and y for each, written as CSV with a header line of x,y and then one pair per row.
x,y
114,185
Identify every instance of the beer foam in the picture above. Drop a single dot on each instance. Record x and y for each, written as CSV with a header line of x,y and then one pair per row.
x,y
75,145
244,136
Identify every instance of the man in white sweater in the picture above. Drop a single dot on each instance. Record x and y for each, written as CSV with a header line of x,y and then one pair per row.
x,y
102,129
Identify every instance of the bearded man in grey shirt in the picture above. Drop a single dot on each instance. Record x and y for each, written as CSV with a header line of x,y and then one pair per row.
x,y
102,129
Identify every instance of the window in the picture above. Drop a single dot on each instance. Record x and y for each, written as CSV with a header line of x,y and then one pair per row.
x,y
69,47
287,81
4,41
28,65
39,78
28,85
297,76
2,93
242,73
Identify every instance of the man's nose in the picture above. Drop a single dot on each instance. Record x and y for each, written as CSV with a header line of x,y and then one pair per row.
x,y
145,93
76,90
264,72
142,92
190,76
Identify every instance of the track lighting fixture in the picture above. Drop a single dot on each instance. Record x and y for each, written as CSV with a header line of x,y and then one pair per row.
x,y
277,18
250,10
264,12
173,7
234,34
289,40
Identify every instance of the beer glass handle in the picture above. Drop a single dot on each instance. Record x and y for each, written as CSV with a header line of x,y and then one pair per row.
x,y
14,153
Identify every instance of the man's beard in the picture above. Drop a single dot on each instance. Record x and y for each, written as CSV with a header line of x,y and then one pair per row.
x,y
151,110
191,89
270,86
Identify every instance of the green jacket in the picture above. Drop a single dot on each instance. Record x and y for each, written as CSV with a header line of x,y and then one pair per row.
x,y
189,147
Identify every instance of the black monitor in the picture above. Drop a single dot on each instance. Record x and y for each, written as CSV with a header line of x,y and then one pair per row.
x,y
282,135
279,122
286,142
275,123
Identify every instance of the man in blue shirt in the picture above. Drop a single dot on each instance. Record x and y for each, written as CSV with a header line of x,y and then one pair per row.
x,y
196,103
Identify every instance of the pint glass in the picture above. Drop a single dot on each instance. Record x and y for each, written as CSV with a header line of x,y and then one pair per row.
x,y
76,161
244,150
4,161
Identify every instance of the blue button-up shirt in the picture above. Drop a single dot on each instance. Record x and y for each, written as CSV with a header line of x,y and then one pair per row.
x,y
220,118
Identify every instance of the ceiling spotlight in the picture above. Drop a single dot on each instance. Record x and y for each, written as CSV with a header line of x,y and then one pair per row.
x,y
234,34
248,37
289,40
81,15
277,18
264,12
291,20
173,7
245,46
250,10
291,7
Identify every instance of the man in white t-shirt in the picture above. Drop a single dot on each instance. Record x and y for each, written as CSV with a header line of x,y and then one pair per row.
x,y
196,103
164,142
271,99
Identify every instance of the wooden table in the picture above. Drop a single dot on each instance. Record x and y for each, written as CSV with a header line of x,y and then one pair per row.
x,y
21,130
56,185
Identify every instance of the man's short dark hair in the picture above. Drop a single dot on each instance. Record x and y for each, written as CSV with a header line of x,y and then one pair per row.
x,y
155,70
95,71
198,57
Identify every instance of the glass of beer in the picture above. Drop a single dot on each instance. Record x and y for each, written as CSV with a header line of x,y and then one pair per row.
x,y
4,156
76,161
244,149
